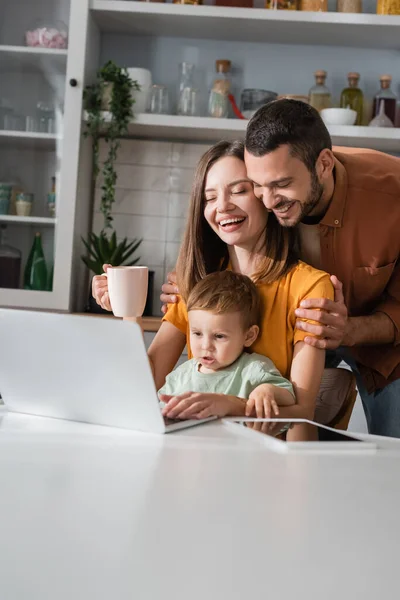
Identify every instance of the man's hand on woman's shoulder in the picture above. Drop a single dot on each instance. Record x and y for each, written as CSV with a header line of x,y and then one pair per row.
x,y
169,291
330,316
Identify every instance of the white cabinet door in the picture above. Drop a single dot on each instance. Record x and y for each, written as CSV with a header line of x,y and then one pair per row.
x,y
42,59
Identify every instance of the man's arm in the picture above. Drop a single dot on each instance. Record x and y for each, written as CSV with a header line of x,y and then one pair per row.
x,y
374,329
336,329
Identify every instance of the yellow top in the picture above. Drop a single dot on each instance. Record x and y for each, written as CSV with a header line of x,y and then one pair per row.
x,y
280,299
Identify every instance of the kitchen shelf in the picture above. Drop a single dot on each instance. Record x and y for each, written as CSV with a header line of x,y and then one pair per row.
x,y
13,219
27,140
18,298
247,24
27,59
207,129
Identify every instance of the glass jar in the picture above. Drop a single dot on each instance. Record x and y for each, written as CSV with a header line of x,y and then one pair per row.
x,y
349,6
185,89
388,7
352,97
218,104
388,97
281,4
320,95
251,100
10,262
314,5
46,117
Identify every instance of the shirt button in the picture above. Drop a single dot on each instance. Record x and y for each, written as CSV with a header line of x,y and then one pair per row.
x,y
336,222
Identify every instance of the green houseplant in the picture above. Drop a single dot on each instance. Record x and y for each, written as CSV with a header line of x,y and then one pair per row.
x,y
114,86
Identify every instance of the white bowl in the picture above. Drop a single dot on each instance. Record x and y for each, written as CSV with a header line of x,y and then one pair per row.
x,y
338,116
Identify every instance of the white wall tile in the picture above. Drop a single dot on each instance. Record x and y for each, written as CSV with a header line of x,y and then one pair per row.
x,y
171,255
175,228
141,152
137,177
187,155
152,253
178,204
148,228
152,200
135,202
181,180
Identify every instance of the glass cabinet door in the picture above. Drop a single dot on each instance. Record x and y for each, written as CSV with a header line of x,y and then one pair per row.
x,y
33,62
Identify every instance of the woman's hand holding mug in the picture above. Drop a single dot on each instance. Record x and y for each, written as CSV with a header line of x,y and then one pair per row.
x,y
123,290
100,290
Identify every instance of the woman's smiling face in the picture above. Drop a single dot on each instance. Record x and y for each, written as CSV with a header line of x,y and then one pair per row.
x,y
230,206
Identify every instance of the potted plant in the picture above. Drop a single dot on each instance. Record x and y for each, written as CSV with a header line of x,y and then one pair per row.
x,y
114,88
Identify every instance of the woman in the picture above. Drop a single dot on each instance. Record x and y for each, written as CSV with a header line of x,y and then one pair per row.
x,y
228,227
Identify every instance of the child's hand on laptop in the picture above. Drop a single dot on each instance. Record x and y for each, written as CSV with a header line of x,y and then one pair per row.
x,y
193,405
262,402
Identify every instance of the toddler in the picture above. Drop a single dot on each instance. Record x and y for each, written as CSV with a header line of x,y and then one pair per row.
x,y
224,312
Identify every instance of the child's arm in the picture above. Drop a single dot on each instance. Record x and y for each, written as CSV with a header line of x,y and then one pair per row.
x,y
272,391
164,351
265,399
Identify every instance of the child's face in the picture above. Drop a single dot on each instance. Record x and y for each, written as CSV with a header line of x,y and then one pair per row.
x,y
218,340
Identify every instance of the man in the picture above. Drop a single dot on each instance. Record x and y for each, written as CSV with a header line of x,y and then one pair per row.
x,y
346,206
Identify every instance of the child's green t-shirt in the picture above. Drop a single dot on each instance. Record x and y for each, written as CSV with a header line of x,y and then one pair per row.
x,y
239,379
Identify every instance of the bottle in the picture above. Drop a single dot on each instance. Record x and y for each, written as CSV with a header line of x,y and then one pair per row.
x,y
389,99
35,274
218,104
352,97
319,94
185,89
10,262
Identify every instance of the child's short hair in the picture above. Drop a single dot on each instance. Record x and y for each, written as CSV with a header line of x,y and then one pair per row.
x,y
223,292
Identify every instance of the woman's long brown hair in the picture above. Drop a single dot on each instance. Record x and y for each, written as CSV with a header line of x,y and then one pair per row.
x,y
203,252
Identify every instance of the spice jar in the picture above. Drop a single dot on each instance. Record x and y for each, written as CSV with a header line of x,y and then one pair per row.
x,y
218,104
388,7
349,6
188,1
314,5
320,95
281,4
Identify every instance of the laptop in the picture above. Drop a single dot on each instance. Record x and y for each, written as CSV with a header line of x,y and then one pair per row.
x,y
79,368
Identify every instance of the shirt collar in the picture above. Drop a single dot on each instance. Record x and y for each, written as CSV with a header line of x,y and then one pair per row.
x,y
334,214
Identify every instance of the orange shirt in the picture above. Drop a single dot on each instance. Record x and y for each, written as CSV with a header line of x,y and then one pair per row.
x,y
280,299
360,244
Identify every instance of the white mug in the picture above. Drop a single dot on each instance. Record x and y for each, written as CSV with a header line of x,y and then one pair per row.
x,y
127,288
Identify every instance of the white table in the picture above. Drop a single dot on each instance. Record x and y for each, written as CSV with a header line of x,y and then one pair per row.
x,y
93,513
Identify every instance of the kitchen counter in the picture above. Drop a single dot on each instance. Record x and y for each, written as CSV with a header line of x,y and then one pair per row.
x,y
151,324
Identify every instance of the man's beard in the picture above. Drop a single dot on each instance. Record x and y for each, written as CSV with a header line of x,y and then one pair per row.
x,y
307,207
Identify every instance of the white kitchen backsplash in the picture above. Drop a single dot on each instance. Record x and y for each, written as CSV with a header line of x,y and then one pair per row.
x,y
152,197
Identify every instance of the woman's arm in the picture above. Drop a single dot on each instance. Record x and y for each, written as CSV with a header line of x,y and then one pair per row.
x,y
164,351
305,374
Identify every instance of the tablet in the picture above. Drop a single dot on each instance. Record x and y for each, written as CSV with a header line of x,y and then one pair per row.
x,y
320,438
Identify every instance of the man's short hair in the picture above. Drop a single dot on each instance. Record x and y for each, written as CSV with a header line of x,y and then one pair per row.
x,y
288,122
226,292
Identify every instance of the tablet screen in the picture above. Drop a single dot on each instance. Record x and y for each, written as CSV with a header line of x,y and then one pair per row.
x,y
315,433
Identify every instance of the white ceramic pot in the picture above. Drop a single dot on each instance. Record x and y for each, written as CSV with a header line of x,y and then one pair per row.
x,y
338,116
143,77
